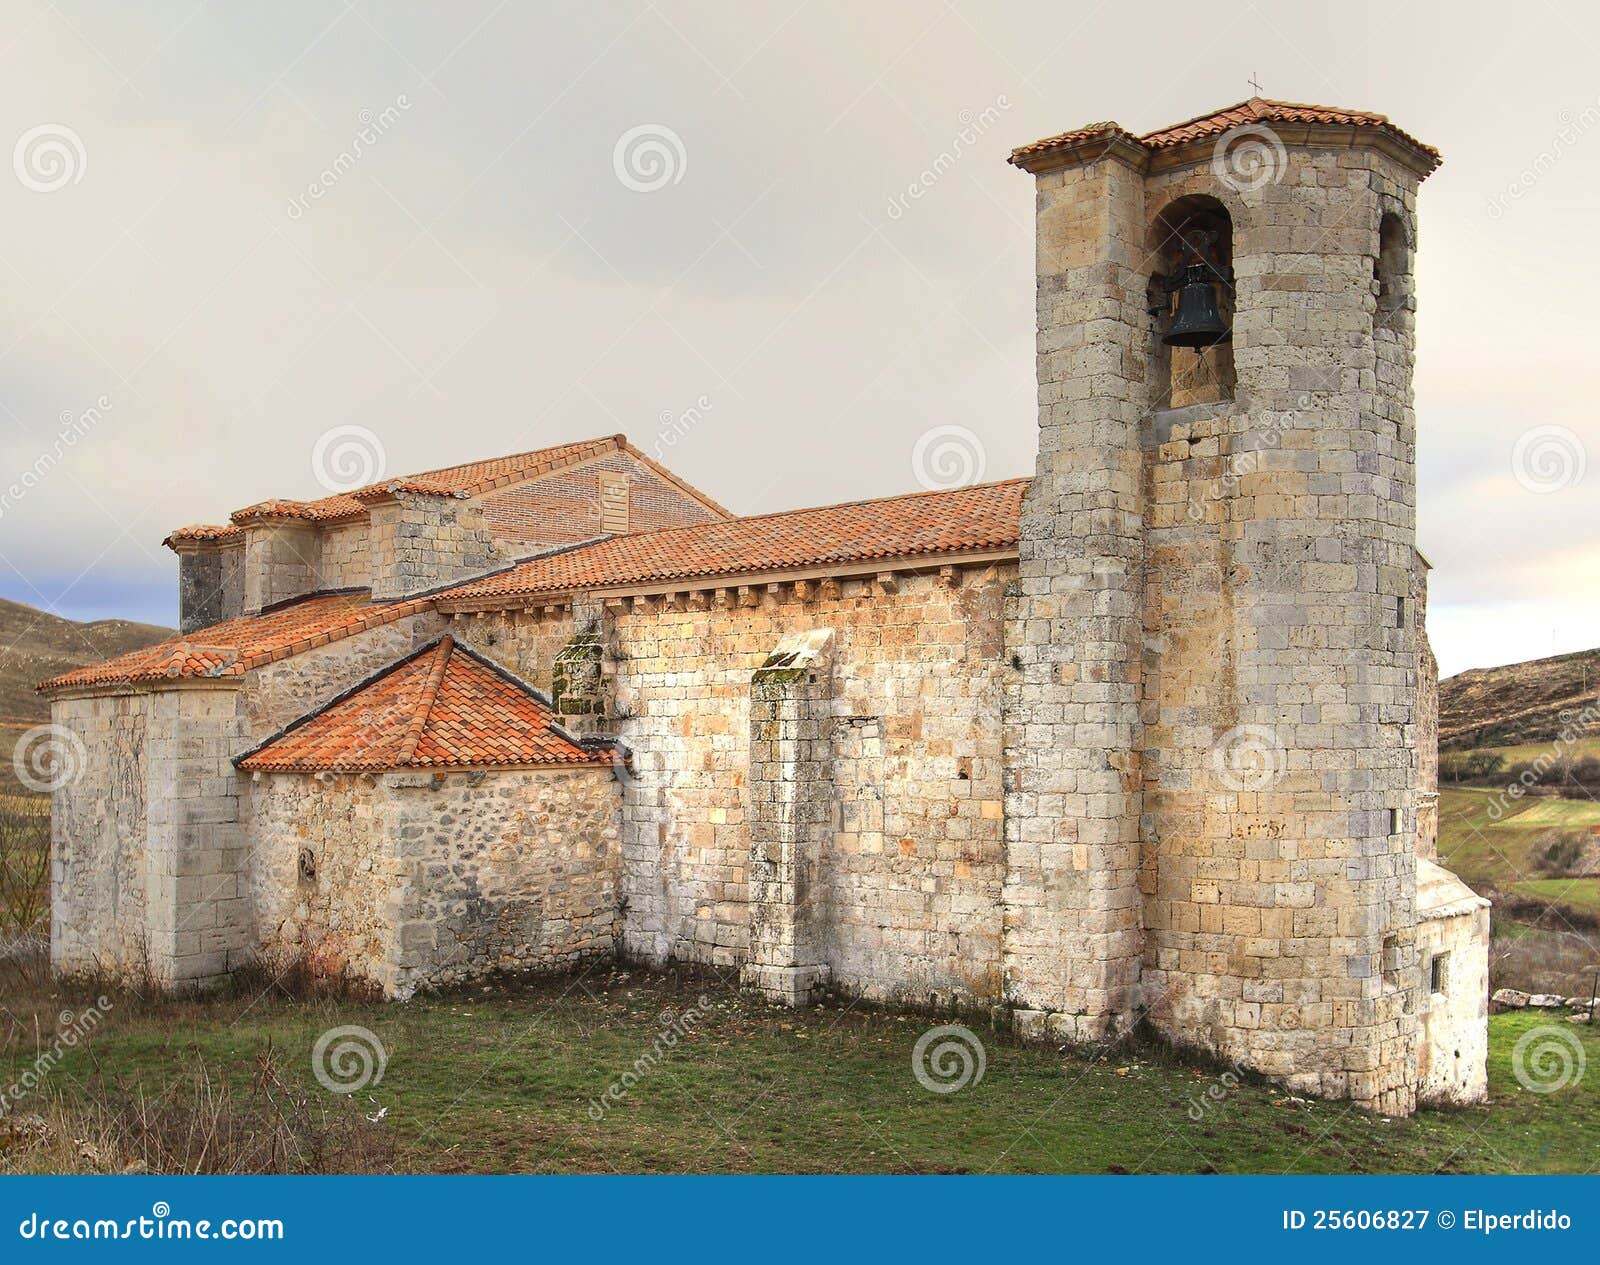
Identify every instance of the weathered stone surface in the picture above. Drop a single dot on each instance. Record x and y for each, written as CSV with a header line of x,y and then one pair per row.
x,y
1509,999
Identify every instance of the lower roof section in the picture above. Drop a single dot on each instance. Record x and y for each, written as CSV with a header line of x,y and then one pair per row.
x,y
443,707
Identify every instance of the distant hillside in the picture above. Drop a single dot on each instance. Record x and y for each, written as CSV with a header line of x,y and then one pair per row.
x,y
1518,703
35,646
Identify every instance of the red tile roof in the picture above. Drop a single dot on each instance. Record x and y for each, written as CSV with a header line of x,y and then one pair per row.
x,y
444,707
968,519
1255,111
205,531
977,519
234,646
474,478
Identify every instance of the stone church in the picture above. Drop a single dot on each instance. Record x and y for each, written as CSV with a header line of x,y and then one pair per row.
x,y
1148,737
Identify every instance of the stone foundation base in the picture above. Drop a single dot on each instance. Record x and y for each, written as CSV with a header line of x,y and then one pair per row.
x,y
787,985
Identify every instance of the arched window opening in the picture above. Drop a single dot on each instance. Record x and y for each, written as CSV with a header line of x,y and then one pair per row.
x,y
1391,270
1191,303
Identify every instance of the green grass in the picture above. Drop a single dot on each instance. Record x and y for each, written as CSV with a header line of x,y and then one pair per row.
x,y
1576,749
1488,838
1580,894
502,1081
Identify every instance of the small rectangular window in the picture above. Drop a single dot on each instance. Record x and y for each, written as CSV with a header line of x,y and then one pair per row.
x,y
1399,612
613,504
1394,821
1439,973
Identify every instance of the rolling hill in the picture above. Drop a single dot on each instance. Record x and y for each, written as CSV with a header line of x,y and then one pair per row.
x,y
1519,703
35,645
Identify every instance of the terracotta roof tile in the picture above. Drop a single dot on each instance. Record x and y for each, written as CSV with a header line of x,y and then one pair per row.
x,y
235,646
205,531
1257,110
444,707
474,478
962,519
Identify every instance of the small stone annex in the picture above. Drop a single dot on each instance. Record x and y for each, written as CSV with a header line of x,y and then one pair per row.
x,y
1147,737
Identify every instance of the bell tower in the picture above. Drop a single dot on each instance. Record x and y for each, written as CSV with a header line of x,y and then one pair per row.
x,y
1210,717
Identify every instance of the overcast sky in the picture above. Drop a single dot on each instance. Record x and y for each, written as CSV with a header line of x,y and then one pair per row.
x,y
690,222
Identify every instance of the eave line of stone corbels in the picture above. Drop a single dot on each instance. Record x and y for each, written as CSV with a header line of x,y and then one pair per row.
x,y
726,597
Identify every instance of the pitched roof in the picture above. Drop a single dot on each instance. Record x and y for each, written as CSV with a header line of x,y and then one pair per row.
x,y
443,707
473,478
977,519
234,646
971,519
1255,111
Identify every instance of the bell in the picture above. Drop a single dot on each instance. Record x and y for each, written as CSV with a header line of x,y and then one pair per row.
x,y
1198,323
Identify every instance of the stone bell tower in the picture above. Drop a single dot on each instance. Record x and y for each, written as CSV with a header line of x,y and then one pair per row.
x,y
1210,718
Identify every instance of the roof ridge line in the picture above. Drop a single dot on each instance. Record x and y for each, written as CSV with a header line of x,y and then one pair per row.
x,y
430,694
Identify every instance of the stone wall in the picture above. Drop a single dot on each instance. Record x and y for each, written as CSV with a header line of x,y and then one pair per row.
x,y
321,871
1072,721
284,691
342,561
419,543
909,907
147,853
282,561
411,879
1233,772
210,583
1453,1049
98,870
525,643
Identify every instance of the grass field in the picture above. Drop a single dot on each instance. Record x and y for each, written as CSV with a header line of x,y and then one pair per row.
x,y
506,1080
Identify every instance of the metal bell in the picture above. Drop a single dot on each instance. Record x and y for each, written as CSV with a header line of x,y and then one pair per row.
x,y
1198,322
